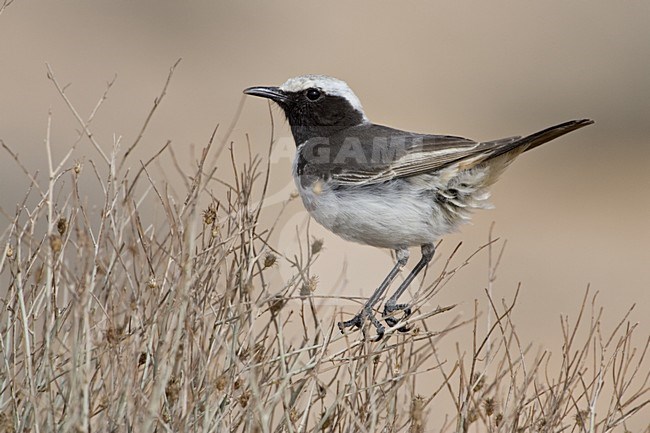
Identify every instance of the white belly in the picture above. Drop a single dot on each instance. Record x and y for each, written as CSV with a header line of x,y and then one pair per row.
x,y
392,215
404,212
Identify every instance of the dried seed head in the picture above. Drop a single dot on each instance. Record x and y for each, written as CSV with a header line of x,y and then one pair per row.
x,y
478,381
210,215
316,246
244,397
237,384
62,225
293,195
152,283
114,334
581,417
55,243
215,231
417,414
247,288
472,415
166,417
172,390
10,251
221,382
77,167
293,415
498,419
489,405
269,260
308,288
276,303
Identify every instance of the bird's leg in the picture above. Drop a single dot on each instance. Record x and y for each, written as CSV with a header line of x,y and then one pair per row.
x,y
366,312
391,305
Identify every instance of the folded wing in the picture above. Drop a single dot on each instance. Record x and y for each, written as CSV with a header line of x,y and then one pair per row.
x,y
429,153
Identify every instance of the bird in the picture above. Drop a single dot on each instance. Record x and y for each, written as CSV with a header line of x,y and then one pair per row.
x,y
384,187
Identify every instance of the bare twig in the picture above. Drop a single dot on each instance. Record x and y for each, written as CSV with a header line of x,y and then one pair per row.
x,y
156,104
82,123
5,4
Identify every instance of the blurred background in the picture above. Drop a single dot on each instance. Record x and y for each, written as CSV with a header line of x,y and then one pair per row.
x,y
574,212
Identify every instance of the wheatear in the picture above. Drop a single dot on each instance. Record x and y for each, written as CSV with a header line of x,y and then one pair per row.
x,y
384,187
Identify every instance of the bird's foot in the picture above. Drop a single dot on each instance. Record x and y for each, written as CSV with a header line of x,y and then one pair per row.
x,y
359,320
391,321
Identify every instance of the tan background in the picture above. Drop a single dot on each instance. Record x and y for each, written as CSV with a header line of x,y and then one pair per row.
x,y
574,212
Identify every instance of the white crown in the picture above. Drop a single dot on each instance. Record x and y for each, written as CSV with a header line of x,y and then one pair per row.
x,y
329,85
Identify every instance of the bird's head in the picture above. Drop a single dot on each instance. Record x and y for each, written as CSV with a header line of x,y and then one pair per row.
x,y
315,105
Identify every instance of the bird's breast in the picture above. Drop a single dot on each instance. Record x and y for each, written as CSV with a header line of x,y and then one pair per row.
x,y
398,213
382,215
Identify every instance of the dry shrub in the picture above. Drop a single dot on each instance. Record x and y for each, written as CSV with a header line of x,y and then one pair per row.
x,y
117,320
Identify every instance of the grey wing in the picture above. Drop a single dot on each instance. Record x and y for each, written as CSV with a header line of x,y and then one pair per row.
x,y
426,154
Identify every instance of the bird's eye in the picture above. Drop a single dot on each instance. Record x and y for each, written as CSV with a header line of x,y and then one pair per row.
x,y
312,94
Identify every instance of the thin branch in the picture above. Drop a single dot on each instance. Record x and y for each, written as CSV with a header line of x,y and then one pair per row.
x,y
156,103
82,123
5,5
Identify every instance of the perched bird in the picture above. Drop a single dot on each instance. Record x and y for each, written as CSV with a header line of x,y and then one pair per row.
x,y
384,187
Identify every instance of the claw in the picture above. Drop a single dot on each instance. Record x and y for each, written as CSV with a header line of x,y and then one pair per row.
x,y
358,322
391,321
